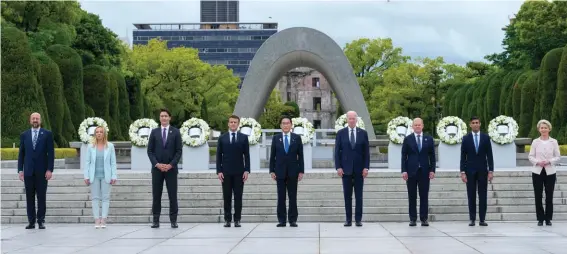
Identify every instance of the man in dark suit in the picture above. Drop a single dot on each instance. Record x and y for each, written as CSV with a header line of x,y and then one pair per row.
x,y
233,167
164,151
477,166
286,168
352,160
418,168
36,158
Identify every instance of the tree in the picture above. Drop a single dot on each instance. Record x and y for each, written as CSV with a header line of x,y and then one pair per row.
x,y
71,69
113,108
559,111
293,104
517,95
135,97
95,40
273,111
493,95
548,83
123,103
97,92
468,100
528,101
19,90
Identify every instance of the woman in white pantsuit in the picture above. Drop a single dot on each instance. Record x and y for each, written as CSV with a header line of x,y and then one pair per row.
x,y
100,174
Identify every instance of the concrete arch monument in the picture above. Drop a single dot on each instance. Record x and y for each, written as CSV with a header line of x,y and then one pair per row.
x,y
300,47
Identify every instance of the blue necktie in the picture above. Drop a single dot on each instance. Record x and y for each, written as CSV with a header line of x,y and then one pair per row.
x,y
286,144
34,139
476,142
419,142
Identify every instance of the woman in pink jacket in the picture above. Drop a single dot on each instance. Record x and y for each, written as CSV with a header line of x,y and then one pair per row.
x,y
544,154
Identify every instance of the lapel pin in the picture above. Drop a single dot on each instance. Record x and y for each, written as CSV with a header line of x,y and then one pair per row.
x,y
280,139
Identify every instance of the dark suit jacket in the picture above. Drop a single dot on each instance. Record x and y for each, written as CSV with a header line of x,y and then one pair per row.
x,y
471,161
40,159
233,159
412,158
171,154
352,160
290,164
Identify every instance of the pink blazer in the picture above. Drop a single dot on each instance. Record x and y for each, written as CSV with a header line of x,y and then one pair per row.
x,y
541,150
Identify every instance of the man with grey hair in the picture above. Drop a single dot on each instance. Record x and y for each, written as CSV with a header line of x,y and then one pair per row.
x,y
418,168
352,160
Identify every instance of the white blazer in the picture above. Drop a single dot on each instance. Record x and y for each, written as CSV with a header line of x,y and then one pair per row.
x,y
109,163
548,151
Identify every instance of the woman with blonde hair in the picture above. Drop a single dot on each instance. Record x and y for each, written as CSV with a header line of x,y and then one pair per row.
x,y
100,174
544,154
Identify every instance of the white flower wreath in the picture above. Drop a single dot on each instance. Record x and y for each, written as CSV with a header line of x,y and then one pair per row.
x,y
256,133
135,138
502,137
447,138
392,131
195,141
341,123
308,129
87,124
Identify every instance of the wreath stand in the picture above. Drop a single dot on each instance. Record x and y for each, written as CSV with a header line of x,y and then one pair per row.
x,y
504,155
196,158
449,156
255,157
139,159
307,156
83,155
394,155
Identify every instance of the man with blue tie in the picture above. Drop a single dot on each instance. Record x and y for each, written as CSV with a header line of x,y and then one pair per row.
x,y
418,169
36,158
352,160
286,168
233,167
477,166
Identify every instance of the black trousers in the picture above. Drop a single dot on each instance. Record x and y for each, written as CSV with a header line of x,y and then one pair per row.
x,y
232,184
36,184
289,184
477,180
170,179
421,181
541,182
349,181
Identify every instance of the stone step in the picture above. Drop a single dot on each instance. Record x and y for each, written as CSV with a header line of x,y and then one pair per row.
x,y
403,217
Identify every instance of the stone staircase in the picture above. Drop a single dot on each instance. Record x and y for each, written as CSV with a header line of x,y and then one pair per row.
x,y
320,198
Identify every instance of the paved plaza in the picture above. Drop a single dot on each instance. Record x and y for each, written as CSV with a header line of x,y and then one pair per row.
x,y
308,238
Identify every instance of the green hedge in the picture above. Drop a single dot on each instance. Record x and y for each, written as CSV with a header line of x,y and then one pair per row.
x,y
559,111
134,89
60,153
97,91
123,103
548,83
529,89
517,95
113,109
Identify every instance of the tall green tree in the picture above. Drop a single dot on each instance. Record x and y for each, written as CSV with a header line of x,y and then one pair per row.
x,y
528,102
97,92
96,42
559,111
548,83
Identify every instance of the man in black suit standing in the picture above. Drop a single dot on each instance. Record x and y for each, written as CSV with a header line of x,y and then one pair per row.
x,y
233,167
418,168
477,166
286,168
164,150
352,160
36,158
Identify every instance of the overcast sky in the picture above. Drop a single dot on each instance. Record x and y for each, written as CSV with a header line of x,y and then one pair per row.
x,y
457,30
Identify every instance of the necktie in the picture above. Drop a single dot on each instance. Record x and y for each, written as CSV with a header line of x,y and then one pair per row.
x,y
419,142
352,141
34,140
286,144
233,138
163,137
476,142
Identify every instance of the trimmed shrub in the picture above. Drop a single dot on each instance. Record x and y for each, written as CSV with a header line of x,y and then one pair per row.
x,y
60,153
134,88
559,111
114,121
529,89
123,103
97,91
468,102
517,95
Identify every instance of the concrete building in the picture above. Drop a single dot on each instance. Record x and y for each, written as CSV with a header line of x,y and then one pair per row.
x,y
312,93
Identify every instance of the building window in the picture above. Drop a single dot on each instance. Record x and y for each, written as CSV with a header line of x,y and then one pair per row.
x,y
317,124
317,103
315,82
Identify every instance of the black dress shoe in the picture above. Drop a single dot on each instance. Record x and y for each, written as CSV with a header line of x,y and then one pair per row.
x,y
174,224
540,223
412,223
155,224
548,223
41,226
359,224
424,223
293,224
30,226
227,224
237,224
483,224
281,225
471,223
348,224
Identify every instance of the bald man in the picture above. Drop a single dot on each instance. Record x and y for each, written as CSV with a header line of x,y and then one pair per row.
x,y
35,166
418,168
352,160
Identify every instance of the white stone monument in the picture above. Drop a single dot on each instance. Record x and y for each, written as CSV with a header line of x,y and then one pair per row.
x,y
139,160
504,155
195,158
254,150
307,156
450,155
395,150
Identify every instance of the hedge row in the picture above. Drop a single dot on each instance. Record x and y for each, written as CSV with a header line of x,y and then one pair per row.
x,y
60,153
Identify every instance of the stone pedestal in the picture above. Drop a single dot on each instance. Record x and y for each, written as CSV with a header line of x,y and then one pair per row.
x,y
83,156
394,156
195,158
139,160
504,155
255,158
307,156
449,156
